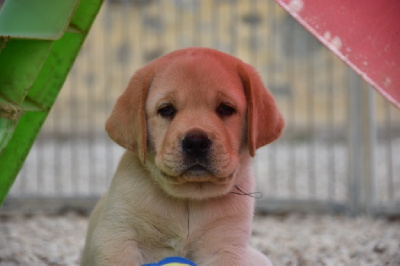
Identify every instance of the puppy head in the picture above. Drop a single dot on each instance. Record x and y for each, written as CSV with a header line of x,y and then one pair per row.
x,y
197,115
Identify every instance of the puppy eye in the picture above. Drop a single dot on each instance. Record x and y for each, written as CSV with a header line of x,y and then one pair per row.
x,y
167,111
224,110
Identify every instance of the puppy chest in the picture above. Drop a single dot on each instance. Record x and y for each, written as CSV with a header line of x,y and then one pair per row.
x,y
163,234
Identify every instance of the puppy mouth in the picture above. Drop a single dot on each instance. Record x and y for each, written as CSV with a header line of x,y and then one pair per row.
x,y
196,173
197,170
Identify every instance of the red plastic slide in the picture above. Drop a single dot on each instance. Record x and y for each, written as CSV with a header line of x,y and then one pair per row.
x,y
363,33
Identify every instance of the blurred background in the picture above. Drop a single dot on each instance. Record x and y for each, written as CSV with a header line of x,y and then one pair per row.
x,y
340,151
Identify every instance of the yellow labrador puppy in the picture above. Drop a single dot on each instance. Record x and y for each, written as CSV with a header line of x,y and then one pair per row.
x,y
190,122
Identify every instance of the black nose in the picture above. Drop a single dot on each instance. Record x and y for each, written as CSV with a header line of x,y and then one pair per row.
x,y
196,144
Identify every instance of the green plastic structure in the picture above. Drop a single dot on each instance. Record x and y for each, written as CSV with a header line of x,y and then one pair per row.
x,y
39,41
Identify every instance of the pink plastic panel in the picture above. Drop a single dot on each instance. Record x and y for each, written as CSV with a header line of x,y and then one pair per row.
x,y
363,33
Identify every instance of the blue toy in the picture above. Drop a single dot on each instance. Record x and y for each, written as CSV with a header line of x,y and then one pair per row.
x,y
172,261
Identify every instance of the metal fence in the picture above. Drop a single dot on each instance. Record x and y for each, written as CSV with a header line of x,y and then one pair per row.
x,y
340,151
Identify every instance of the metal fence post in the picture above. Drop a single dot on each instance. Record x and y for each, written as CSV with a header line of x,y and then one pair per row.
x,y
369,144
355,145
362,138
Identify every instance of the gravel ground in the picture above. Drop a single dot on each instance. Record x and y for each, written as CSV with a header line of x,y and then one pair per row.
x,y
288,240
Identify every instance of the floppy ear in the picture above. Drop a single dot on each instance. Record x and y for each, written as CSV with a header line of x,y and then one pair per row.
x,y
264,121
127,122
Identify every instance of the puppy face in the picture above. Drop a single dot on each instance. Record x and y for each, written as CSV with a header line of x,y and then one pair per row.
x,y
195,117
196,123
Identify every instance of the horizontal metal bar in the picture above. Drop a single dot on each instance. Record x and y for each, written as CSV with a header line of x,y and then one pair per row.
x,y
50,205
273,205
387,209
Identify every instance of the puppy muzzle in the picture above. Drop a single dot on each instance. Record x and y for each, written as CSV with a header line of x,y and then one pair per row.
x,y
196,147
